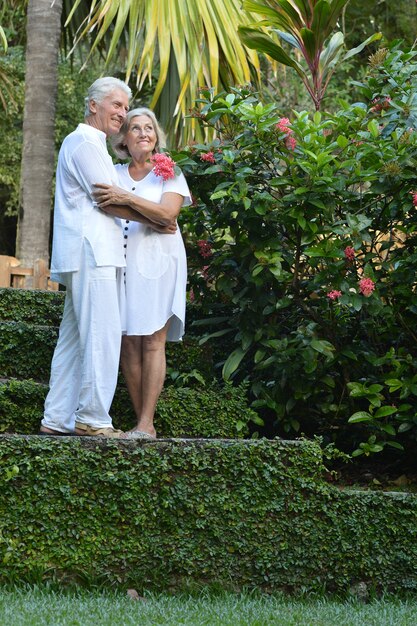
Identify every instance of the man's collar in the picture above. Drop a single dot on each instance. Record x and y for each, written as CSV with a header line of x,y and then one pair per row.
x,y
86,128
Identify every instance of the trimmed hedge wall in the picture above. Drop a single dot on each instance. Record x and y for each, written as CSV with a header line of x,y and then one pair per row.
x,y
27,349
29,322
31,306
46,307
181,412
156,514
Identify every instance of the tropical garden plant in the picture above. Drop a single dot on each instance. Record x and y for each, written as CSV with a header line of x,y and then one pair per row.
x,y
302,239
306,27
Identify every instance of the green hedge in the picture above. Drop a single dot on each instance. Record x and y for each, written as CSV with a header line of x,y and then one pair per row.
x,y
158,514
46,307
27,349
181,412
31,306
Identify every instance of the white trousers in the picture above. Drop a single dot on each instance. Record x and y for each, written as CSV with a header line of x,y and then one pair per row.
x,y
85,364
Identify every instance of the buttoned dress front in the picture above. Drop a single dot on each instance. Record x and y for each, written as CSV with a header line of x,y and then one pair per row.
x,y
86,254
156,265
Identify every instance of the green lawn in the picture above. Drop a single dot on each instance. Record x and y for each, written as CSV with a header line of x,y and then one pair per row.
x,y
43,607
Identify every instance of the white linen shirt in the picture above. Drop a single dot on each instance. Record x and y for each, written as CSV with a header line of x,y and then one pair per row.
x,y
83,160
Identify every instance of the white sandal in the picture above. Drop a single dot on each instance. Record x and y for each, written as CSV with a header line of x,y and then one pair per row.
x,y
139,434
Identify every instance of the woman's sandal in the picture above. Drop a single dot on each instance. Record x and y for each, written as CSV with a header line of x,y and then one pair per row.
x,y
138,434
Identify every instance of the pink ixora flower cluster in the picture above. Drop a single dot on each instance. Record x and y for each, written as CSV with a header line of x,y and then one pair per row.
x,y
366,286
283,126
204,248
349,253
208,156
334,294
414,193
164,166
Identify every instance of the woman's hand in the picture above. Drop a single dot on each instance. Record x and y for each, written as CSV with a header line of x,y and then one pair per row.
x,y
127,213
169,229
109,194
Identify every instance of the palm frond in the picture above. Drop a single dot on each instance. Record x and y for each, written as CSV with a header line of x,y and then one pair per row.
x,y
194,40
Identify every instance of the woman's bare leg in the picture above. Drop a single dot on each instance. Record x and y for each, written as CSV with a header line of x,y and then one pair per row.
x,y
153,376
144,368
131,365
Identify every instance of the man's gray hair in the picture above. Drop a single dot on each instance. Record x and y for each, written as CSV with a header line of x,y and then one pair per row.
x,y
101,88
118,141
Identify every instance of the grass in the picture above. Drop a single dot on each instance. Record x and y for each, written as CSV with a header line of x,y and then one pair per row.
x,y
41,606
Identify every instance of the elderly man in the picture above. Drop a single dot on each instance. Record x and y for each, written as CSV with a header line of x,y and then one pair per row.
x,y
87,253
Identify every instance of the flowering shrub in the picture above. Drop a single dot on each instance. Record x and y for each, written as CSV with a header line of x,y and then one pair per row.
x,y
312,275
366,286
334,295
208,156
204,248
349,253
164,166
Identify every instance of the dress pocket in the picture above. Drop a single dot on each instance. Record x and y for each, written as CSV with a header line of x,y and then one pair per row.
x,y
151,260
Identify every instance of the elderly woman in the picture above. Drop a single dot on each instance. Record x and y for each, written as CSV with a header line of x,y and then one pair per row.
x,y
156,271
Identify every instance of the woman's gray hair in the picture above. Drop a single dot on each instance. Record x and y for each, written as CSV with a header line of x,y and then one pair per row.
x,y
101,88
118,141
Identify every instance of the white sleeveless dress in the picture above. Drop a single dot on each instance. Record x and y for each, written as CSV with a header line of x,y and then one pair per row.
x,y
156,267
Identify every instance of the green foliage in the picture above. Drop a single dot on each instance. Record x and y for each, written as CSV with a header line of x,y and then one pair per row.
x,y
31,306
29,321
306,28
176,48
216,412
3,39
304,232
21,406
248,513
27,350
391,402
11,119
396,20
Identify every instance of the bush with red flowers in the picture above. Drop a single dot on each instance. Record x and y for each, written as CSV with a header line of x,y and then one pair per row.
x,y
311,277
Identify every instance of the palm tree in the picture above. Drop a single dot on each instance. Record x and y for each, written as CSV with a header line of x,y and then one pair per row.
x,y
190,42
43,37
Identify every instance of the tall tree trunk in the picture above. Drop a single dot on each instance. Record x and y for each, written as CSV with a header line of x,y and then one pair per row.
x,y
43,37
